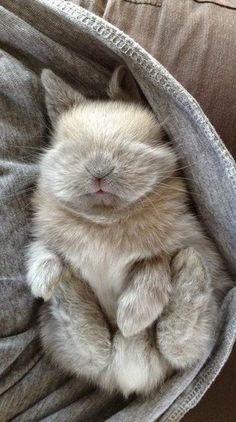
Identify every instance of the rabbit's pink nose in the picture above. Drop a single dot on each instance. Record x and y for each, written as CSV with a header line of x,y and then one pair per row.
x,y
98,184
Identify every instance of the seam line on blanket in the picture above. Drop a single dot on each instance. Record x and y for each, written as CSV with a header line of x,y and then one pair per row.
x,y
126,46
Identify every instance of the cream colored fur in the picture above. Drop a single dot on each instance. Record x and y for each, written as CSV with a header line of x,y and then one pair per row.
x,y
134,281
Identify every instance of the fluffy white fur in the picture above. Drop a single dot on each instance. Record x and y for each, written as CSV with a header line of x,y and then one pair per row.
x,y
134,281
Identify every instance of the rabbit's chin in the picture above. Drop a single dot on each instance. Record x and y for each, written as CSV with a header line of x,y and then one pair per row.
x,y
105,207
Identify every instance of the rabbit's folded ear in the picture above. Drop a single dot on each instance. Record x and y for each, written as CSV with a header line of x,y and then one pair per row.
x,y
59,96
123,86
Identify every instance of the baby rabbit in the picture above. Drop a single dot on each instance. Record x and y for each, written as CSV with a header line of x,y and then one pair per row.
x,y
133,280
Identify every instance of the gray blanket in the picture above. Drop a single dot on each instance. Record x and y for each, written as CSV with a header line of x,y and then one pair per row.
x,y
84,50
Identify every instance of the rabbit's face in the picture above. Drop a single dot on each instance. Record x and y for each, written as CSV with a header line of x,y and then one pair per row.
x,y
105,155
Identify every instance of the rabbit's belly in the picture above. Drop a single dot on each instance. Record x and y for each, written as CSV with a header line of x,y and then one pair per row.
x,y
105,273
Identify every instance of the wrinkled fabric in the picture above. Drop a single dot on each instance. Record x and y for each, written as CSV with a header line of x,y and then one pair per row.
x,y
84,49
